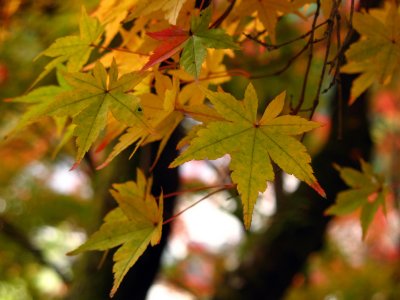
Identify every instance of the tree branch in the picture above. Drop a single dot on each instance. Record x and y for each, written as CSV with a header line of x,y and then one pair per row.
x,y
310,58
226,13
274,47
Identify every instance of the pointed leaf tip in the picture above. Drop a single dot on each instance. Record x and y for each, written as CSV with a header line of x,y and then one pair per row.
x,y
316,186
75,165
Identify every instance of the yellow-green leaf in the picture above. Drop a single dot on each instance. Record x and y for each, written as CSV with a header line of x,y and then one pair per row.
x,y
135,224
201,38
89,101
252,143
377,54
39,100
74,50
368,192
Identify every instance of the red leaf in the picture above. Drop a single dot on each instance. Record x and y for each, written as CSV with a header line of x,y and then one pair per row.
x,y
318,189
173,39
167,34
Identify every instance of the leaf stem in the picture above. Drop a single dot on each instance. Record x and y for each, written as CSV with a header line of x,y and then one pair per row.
x,y
199,189
182,110
226,13
277,46
192,205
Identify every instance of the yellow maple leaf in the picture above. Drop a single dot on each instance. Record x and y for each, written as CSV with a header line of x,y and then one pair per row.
x,y
252,143
135,224
377,54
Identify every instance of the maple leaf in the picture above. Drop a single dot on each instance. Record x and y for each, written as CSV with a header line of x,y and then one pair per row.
x,y
173,39
89,101
194,43
163,112
201,38
252,142
39,100
135,224
367,191
75,50
213,71
162,119
111,14
170,7
377,54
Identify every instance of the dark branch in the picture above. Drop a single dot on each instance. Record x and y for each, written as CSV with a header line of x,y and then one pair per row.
x,y
274,47
226,13
310,58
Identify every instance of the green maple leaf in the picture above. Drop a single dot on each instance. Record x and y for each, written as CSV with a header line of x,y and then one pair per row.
x,y
367,191
89,101
163,113
252,143
39,100
377,54
201,38
74,50
162,119
135,224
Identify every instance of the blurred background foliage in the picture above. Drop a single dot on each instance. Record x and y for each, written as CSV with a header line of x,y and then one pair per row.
x,y
45,210
40,202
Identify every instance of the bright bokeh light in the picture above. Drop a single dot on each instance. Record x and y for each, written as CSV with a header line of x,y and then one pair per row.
x,y
164,291
65,181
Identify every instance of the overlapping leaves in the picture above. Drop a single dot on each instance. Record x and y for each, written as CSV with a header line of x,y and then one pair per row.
x,y
135,224
74,50
171,9
194,43
90,99
252,143
163,112
377,54
268,11
367,191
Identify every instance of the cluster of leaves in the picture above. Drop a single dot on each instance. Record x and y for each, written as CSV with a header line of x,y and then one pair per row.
x,y
367,191
377,54
161,73
135,224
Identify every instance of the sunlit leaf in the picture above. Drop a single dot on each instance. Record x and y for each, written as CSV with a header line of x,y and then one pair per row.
x,y
135,224
377,54
252,143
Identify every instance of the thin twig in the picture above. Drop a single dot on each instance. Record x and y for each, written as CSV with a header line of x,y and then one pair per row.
x,y
226,13
310,58
198,114
190,206
347,38
335,79
199,189
216,75
328,33
340,110
288,64
274,47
